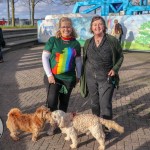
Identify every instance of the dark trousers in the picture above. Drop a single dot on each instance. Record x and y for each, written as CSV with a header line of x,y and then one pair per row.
x,y
1,56
55,99
120,39
101,94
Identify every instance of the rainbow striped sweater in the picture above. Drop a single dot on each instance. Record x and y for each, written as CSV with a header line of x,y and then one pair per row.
x,y
62,58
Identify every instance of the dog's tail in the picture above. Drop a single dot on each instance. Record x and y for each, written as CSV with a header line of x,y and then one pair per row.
x,y
14,112
112,125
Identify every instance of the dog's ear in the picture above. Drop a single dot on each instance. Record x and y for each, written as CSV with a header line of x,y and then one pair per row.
x,y
43,107
42,111
46,113
62,123
72,115
66,120
39,113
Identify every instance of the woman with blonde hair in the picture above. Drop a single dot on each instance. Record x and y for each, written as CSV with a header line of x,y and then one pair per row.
x,y
61,60
116,31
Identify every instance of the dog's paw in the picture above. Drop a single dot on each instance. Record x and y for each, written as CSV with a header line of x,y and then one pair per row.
x,y
15,138
101,148
88,133
73,146
18,133
67,138
34,139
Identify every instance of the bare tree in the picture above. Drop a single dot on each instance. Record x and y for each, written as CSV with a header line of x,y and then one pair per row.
x,y
64,2
70,2
35,2
8,12
27,3
13,11
31,5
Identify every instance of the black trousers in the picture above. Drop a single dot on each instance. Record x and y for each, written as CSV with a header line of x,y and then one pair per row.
x,y
55,99
120,38
101,93
1,55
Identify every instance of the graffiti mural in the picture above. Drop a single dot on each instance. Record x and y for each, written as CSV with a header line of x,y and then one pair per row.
x,y
46,29
136,29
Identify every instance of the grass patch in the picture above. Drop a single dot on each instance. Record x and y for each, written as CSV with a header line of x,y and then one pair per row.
x,y
135,46
18,27
127,46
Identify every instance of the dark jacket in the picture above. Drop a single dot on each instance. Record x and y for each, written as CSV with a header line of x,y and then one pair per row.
x,y
117,61
2,42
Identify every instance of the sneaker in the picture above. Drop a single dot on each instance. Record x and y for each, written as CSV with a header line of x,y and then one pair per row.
x,y
107,133
1,61
57,131
53,130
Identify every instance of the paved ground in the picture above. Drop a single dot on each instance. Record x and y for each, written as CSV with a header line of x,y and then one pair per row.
x,y
21,85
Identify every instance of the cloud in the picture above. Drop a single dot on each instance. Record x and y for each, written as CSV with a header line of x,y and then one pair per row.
x,y
46,9
3,11
41,10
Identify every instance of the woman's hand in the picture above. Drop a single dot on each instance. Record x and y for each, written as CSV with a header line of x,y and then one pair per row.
x,y
111,73
51,79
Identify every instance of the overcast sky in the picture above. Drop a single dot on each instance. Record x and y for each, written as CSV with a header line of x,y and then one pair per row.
x,y
41,10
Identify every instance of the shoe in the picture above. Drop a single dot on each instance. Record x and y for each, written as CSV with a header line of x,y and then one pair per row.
x,y
107,133
57,131
53,130
1,61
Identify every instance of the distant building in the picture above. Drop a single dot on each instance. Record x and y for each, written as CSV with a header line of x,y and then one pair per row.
x,y
3,22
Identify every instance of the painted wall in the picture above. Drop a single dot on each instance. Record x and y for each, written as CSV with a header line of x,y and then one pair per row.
x,y
136,29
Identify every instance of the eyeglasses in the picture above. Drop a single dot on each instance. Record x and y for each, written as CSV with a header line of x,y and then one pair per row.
x,y
68,27
99,24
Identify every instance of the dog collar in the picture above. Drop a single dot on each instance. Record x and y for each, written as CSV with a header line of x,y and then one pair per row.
x,y
74,114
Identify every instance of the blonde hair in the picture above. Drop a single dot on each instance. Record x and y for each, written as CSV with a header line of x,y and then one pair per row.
x,y
117,29
115,21
65,19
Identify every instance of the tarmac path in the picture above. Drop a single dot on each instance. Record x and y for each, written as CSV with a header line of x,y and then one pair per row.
x,y
22,86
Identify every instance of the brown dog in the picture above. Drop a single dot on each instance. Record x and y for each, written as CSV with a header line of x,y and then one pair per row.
x,y
32,123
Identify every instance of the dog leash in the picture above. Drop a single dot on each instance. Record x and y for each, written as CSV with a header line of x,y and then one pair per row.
x,y
46,104
77,111
82,106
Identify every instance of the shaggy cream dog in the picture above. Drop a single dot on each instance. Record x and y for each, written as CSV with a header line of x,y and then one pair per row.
x,y
33,123
85,123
